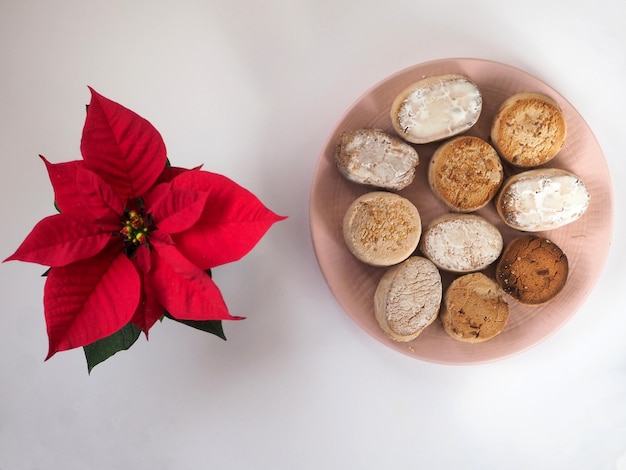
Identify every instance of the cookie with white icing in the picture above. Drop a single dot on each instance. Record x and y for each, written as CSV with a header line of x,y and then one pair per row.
x,y
436,108
542,199
375,158
461,243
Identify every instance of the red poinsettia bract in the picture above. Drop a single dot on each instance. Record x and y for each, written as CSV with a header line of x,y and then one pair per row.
x,y
134,238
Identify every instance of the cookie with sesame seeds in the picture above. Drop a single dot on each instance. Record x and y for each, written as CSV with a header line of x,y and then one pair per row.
x,y
382,228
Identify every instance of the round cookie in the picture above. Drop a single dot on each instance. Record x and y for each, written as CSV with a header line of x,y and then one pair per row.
x,y
465,173
474,309
532,269
407,298
382,228
528,130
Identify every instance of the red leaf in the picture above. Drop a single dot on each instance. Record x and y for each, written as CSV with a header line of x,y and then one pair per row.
x,y
121,147
89,300
149,310
61,239
186,292
159,237
142,259
175,210
82,192
232,223
63,179
102,201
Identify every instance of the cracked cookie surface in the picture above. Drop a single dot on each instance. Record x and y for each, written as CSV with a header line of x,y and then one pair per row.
x,y
407,298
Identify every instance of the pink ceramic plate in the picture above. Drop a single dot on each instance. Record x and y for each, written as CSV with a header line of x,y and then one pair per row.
x,y
585,242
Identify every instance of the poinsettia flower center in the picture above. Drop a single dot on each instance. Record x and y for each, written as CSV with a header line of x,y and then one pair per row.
x,y
136,228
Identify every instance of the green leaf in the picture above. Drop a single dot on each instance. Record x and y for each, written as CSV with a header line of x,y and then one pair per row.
x,y
101,350
210,326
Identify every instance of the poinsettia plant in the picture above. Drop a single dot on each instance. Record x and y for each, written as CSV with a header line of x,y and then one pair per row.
x,y
135,239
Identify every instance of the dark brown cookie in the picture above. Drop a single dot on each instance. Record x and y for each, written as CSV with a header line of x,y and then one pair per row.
x,y
532,269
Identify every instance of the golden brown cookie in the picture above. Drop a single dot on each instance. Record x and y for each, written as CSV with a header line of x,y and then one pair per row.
x,y
474,309
529,129
465,173
532,269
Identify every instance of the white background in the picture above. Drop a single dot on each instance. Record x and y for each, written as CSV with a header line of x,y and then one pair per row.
x,y
251,89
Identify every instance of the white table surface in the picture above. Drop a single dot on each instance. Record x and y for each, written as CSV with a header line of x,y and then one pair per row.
x,y
252,90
